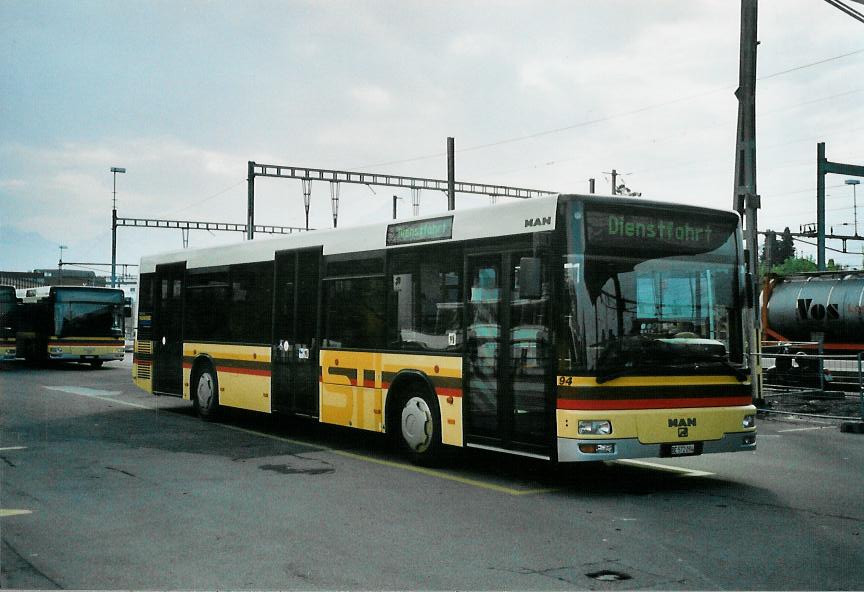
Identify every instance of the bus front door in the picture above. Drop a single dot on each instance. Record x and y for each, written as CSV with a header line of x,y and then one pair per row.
x,y
295,347
168,329
508,396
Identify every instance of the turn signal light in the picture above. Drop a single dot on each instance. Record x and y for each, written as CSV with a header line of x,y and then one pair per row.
x,y
597,448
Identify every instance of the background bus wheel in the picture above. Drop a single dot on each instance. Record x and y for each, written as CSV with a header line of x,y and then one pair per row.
x,y
96,363
206,394
420,428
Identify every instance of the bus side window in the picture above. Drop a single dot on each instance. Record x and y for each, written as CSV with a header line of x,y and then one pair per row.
x,y
425,310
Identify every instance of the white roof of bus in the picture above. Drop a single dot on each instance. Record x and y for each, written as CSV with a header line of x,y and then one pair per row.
x,y
503,219
40,292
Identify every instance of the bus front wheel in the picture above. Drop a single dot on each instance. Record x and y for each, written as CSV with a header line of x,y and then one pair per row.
x,y
420,427
206,394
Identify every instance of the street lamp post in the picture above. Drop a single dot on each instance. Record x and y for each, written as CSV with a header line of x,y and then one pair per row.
x,y
114,170
854,183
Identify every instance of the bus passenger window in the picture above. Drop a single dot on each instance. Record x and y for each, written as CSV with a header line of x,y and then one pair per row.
x,y
425,303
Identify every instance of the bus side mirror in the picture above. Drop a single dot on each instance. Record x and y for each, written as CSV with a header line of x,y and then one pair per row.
x,y
530,278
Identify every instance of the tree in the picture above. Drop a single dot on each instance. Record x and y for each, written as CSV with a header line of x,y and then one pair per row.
x,y
786,246
801,265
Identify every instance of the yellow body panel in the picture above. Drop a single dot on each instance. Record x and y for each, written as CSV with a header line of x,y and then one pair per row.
x,y
451,420
655,426
142,373
243,373
352,406
354,388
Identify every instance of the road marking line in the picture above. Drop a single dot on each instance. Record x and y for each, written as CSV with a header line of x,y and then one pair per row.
x,y
84,391
682,471
4,512
13,448
396,465
806,429
92,394
275,437
443,475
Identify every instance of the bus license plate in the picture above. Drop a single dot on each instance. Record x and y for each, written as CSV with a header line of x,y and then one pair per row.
x,y
683,449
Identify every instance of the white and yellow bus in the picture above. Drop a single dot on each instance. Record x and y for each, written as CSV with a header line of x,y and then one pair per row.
x,y
8,322
568,328
71,324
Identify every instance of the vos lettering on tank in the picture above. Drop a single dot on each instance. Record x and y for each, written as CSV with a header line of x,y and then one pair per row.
x,y
532,222
817,312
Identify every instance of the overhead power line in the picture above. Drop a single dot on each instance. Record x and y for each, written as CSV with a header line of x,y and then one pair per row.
x,y
847,9
589,122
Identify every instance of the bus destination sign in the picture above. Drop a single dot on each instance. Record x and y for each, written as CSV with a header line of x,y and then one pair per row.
x,y
421,231
652,230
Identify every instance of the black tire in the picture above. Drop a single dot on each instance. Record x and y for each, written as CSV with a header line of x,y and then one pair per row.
x,y
419,426
205,394
96,363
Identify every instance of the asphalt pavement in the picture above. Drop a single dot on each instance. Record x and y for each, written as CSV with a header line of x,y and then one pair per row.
x,y
103,486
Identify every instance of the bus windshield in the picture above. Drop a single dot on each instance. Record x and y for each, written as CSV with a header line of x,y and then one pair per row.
x,y
88,313
7,311
650,290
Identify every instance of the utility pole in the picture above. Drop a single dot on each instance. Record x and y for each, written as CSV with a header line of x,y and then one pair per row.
x,y
823,167
60,265
250,200
591,186
746,200
614,182
451,175
114,171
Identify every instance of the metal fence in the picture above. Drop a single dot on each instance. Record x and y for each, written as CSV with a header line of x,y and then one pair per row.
x,y
813,384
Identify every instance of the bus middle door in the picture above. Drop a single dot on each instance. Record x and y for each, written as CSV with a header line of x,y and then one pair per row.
x,y
295,324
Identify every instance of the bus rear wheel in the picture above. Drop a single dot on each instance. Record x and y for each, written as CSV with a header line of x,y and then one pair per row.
x,y
206,396
96,363
420,427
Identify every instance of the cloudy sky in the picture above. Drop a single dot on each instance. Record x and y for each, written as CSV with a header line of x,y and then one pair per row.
x,y
536,94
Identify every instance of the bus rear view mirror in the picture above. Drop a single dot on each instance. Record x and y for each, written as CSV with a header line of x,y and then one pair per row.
x,y
530,278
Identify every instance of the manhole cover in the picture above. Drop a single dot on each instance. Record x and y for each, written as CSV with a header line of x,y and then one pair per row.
x,y
608,576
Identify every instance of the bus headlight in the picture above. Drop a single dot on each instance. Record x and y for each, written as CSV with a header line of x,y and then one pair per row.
x,y
595,427
749,421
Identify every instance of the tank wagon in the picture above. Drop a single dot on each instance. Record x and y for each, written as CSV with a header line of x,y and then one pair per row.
x,y
795,307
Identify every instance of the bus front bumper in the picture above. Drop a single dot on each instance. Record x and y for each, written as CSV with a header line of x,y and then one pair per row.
x,y
578,450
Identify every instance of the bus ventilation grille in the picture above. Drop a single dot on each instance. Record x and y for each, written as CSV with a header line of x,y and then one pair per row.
x,y
143,373
144,347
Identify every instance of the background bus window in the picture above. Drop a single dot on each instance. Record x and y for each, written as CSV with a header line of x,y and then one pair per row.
x,y
207,297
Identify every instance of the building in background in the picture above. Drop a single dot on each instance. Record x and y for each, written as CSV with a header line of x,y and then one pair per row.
x,y
51,277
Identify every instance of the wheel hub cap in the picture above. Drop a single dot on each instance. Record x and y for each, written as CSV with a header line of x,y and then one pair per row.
x,y
417,424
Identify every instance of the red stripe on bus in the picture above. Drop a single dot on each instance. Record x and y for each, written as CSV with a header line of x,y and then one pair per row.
x,y
249,371
448,392
143,362
575,405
